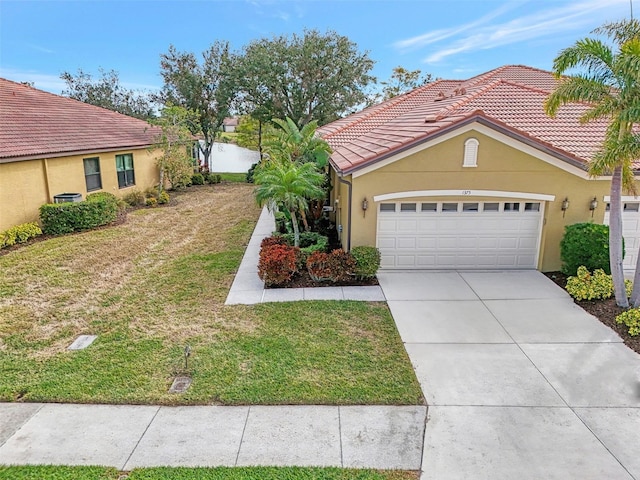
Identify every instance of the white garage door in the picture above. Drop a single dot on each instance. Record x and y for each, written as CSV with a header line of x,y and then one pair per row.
x,y
630,232
459,234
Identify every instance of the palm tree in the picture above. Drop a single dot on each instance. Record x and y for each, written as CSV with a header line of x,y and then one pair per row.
x,y
298,145
611,86
289,185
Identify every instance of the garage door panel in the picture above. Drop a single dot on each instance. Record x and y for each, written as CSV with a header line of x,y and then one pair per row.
x,y
426,242
406,260
406,226
466,239
631,234
387,225
385,243
406,242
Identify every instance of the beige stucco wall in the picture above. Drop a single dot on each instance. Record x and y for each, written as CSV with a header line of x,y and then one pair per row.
x,y
500,168
26,185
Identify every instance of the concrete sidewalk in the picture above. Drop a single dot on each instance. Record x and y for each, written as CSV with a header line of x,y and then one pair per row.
x,y
248,289
126,436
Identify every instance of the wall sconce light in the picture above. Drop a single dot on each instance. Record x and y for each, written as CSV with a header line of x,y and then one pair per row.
x,y
565,206
593,205
365,205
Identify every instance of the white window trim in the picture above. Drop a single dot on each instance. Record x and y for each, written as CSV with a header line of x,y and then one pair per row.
x,y
470,158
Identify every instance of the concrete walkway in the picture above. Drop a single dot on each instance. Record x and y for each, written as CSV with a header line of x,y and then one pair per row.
x,y
521,383
126,437
248,289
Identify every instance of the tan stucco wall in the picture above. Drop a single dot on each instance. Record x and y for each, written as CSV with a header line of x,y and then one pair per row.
x,y
500,168
24,186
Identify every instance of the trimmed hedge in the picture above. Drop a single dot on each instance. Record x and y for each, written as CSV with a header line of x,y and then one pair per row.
x,y
585,244
98,209
19,234
277,264
367,261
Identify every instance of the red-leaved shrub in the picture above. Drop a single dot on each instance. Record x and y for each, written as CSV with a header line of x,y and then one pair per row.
x,y
336,266
273,240
277,264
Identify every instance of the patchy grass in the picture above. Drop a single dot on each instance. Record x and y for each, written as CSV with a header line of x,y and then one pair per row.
x,y
157,283
218,473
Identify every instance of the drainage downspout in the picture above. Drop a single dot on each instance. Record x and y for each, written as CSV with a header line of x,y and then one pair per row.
x,y
348,184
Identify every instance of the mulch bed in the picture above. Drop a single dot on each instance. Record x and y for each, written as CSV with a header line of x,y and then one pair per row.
x,y
303,280
604,310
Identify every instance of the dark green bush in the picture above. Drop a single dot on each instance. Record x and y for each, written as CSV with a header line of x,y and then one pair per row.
x,y
367,261
197,179
98,209
585,244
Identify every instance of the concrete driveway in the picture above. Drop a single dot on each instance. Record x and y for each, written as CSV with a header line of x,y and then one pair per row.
x,y
521,383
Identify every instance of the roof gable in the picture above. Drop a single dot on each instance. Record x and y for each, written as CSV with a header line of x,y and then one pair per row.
x,y
36,124
509,98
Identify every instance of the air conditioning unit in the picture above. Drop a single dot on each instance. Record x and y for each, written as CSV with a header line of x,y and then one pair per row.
x,y
67,197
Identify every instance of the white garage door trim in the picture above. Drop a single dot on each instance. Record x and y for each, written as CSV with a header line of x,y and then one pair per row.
x,y
461,233
463,193
630,229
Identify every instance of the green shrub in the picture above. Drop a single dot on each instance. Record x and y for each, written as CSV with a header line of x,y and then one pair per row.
x,y
336,266
163,198
197,179
590,286
585,244
98,209
19,234
217,178
631,318
135,198
367,261
277,264
151,202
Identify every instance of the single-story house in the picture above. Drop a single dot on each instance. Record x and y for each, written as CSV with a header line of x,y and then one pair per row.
x,y
470,174
230,124
50,145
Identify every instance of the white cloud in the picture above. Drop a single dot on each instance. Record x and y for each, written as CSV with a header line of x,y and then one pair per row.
x,y
483,35
39,48
444,33
43,81
54,84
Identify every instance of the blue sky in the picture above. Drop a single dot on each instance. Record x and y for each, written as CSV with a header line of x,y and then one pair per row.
x,y
449,39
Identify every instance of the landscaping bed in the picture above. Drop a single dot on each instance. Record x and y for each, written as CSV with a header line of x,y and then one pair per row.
x,y
604,310
303,280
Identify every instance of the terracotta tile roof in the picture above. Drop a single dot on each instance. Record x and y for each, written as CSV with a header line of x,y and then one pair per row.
x,y
509,98
36,124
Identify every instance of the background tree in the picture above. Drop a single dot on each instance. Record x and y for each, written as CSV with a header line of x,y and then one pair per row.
x,y
403,81
107,92
175,141
610,84
205,88
313,76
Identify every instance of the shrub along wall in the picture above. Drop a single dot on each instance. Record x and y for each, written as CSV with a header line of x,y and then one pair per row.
x,y
98,209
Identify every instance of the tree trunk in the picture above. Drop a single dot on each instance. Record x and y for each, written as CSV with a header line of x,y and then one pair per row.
x,y
296,231
615,238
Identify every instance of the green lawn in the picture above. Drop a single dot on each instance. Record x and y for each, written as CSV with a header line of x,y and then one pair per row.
x,y
233,177
157,283
219,473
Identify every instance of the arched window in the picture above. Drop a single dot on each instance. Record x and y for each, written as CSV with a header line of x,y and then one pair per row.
x,y
470,153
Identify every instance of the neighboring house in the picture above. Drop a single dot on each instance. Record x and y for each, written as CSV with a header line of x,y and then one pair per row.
x,y
51,145
229,124
470,175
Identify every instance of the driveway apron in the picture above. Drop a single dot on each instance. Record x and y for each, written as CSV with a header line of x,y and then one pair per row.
x,y
521,382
